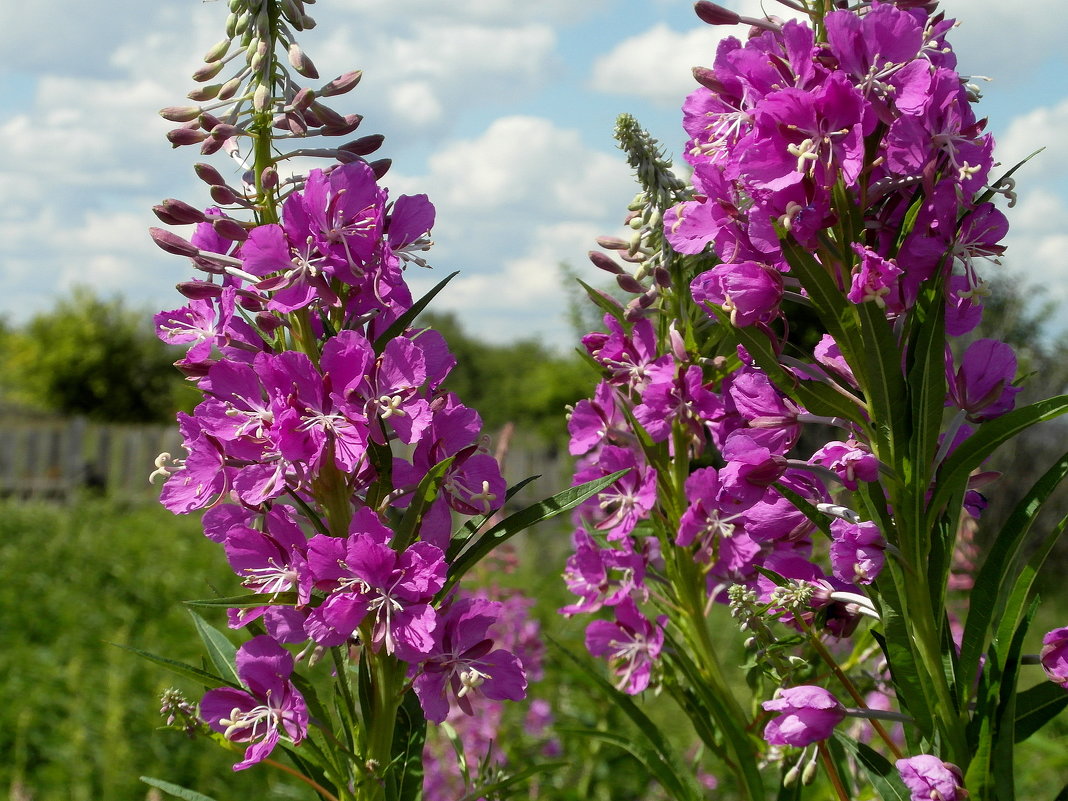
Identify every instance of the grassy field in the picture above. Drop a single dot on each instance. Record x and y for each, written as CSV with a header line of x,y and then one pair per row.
x,y
78,715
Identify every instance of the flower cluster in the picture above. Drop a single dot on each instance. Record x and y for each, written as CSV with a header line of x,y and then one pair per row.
x,y
325,454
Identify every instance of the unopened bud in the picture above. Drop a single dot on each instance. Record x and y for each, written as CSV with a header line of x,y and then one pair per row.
x,y
715,14
185,136
302,99
199,290
180,113
365,145
678,346
612,243
208,174
223,195
225,131
604,262
208,121
341,84
202,93
662,277
380,167
229,89
808,775
172,243
208,71
269,178
229,229
628,283
352,122
177,212
707,78
231,24
261,99
301,63
790,779
217,51
267,322
327,114
211,145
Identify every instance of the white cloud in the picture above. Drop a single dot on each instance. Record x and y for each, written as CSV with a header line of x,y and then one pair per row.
x,y
1039,128
489,11
656,65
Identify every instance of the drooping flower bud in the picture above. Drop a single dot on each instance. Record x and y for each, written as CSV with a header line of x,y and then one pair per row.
x,y
180,113
341,84
380,167
172,243
301,63
230,229
177,212
204,93
208,71
217,51
186,136
208,174
715,14
365,145
605,262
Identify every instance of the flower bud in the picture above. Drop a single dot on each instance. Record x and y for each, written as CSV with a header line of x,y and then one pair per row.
x,y
185,136
217,51
352,122
612,243
208,174
365,145
223,195
301,63
341,84
269,177
199,290
177,212
229,89
172,243
262,97
628,283
203,93
326,114
302,99
380,167
208,71
211,145
208,121
715,14
179,113
605,262
229,229
267,322
225,131
707,78
662,277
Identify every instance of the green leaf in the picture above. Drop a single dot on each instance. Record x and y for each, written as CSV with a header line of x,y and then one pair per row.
x,y
604,302
468,529
409,734
424,496
199,675
175,790
989,193
654,750
402,323
248,601
491,790
221,651
522,520
1000,570
987,438
882,775
1036,706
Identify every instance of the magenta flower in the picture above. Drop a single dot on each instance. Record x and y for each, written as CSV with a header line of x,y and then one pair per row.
x,y
1054,656
982,385
271,707
632,645
857,551
808,714
748,291
464,661
928,778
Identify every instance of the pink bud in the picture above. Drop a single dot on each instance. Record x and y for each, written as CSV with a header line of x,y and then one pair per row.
x,y
179,113
177,212
208,174
352,122
341,84
612,243
229,89
301,63
707,78
223,195
380,167
208,71
172,243
303,99
204,93
604,262
230,229
327,114
217,51
269,177
209,121
211,145
225,131
628,283
199,290
715,14
268,323
365,145
185,136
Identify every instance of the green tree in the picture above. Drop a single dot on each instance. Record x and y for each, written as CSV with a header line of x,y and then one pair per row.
x,y
92,357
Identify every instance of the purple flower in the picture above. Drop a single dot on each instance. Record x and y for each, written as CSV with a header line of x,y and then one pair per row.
x,y
632,645
271,708
463,659
852,461
982,385
1054,656
928,778
748,291
807,714
857,551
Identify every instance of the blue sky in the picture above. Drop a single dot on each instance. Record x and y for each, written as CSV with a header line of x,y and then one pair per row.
x,y
501,111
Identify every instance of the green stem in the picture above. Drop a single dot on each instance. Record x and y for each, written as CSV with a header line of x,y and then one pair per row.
x,y
387,677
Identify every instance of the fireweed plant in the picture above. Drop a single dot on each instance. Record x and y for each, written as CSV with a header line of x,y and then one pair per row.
x,y
815,495
326,458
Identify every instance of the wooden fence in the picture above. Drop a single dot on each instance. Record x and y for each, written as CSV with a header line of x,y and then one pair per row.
x,y
54,459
